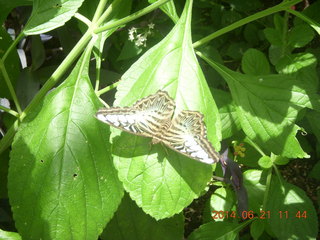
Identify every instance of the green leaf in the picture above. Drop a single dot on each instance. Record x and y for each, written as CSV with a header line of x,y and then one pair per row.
x,y
236,50
300,35
287,197
257,228
28,85
292,63
267,107
62,183
279,160
4,235
50,14
255,62
130,222
12,64
229,119
161,181
129,50
255,183
276,53
38,54
217,230
265,162
273,36
169,9
221,200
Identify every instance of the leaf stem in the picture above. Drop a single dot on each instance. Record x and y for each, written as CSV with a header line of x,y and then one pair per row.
x,y
10,111
9,85
107,89
255,146
280,7
12,46
107,12
268,184
99,10
83,19
129,18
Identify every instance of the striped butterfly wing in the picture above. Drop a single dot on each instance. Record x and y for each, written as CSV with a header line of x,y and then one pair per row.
x,y
187,135
144,118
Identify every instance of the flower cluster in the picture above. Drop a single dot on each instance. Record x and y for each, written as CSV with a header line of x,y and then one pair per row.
x,y
239,150
140,39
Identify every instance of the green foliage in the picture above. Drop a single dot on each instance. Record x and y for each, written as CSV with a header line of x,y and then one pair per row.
x,y
255,82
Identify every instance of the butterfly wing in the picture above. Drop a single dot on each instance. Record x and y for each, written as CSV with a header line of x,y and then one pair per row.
x,y
144,118
187,135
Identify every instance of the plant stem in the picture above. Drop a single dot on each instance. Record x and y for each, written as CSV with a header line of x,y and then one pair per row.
x,y
9,85
10,111
268,185
280,7
83,19
130,17
255,146
99,10
107,89
12,46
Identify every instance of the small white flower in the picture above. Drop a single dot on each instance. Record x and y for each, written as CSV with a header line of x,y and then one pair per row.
x,y
141,39
132,30
151,25
138,42
131,37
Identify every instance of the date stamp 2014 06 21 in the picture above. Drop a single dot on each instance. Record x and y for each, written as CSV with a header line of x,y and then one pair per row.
x,y
262,215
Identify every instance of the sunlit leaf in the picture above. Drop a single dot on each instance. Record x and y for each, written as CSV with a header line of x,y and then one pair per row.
x,y
217,230
268,106
50,14
287,212
62,183
161,181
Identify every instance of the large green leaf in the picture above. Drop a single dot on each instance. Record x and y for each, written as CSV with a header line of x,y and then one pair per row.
x,y
160,180
50,14
230,124
255,183
217,230
268,106
62,183
287,204
130,222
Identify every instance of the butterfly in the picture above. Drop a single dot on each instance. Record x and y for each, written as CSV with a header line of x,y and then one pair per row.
x,y
152,117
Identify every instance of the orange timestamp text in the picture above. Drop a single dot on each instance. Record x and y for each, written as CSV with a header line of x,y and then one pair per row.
x,y
262,215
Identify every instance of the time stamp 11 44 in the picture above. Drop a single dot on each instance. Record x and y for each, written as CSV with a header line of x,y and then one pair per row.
x,y
262,215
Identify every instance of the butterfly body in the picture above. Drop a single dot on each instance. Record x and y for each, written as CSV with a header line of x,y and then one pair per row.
x,y
153,117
